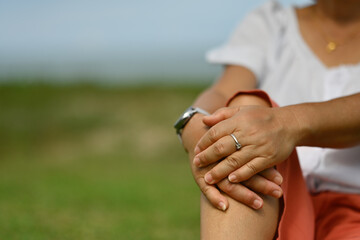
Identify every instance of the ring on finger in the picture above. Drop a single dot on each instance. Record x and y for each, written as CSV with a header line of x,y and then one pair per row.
x,y
237,144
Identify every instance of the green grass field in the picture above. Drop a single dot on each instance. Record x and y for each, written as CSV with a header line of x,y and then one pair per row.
x,y
86,162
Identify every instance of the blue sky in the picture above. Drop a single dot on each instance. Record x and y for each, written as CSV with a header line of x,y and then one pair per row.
x,y
122,39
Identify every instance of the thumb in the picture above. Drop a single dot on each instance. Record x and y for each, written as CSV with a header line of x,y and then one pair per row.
x,y
220,115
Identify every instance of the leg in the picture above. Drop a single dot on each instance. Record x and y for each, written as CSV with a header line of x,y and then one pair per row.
x,y
337,215
239,221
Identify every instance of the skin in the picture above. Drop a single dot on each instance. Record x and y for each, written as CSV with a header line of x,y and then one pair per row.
x,y
271,134
267,182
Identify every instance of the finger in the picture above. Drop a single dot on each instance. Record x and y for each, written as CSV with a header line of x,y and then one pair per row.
x,y
241,194
219,150
249,169
216,132
213,195
229,165
262,185
220,115
273,175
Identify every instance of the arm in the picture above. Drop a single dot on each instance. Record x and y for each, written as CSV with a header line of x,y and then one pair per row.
x,y
270,135
233,79
332,124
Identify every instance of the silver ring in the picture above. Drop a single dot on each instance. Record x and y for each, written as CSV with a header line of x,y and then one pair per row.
x,y
237,144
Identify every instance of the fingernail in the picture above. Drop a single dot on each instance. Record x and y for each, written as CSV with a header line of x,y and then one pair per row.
x,y
222,206
276,193
197,161
257,204
209,179
278,180
232,178
197,150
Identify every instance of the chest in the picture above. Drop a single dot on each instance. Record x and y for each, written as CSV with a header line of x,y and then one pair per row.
x,y
332,46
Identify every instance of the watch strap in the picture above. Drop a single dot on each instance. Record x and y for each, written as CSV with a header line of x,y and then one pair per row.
x,y
191,111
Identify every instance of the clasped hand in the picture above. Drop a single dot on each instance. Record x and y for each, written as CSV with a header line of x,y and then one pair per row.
x,y
266,141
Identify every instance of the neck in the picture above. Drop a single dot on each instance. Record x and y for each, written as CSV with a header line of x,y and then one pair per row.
x,y
340,11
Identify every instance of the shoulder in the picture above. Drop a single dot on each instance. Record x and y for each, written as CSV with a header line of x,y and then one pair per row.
x,y
270,15
248,45
262,24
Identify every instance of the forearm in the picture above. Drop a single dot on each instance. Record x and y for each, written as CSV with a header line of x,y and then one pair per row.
x,y
333,124
211,100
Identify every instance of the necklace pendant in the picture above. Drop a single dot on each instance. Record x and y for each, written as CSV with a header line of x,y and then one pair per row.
x,y
331,46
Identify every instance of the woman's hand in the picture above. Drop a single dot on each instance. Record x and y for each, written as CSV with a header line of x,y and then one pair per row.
x,y
266,182
266,135
249,192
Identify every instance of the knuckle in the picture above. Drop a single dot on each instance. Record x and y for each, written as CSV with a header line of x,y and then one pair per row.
x,y
261,185
249,197
251,167
267,187
203,158
251,183
219,148
254,184
232,162
201,186
228,187
206,191
216,175
253,131
268,173
198,180
261,141
212,134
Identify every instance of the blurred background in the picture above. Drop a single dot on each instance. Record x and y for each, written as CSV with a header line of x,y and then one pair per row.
x,y
89,91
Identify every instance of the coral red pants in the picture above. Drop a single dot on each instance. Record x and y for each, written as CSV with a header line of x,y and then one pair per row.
x,y
323,216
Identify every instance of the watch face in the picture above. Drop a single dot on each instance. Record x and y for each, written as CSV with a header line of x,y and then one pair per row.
x,y
180,123
186,114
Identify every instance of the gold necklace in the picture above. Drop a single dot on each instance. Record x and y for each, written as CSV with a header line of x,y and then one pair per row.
x,y
332,45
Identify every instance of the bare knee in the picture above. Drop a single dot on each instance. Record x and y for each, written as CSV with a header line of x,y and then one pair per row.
x,y
239,221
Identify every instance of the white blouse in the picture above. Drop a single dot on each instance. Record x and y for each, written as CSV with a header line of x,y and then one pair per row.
x,y
268,42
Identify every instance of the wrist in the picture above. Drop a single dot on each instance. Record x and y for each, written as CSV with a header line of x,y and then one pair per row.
x,y
193,131
296,124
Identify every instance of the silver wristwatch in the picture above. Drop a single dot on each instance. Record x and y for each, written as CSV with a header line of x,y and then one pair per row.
x,y
185,118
